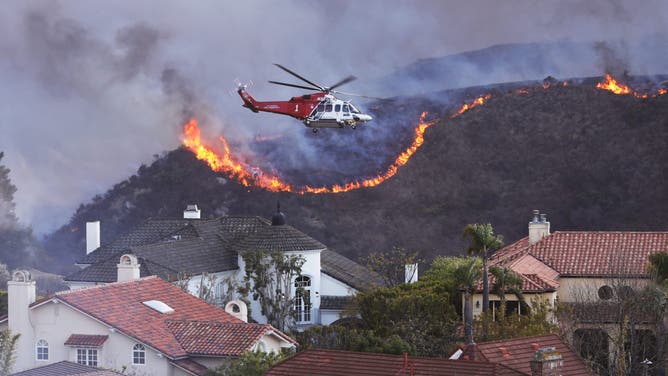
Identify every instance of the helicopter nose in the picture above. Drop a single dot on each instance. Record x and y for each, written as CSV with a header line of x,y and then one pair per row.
x,y
365,117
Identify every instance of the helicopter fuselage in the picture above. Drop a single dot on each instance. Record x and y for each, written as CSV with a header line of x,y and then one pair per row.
x,y
318,110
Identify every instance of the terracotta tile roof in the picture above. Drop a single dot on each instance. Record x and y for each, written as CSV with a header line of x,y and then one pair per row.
x,y
120,306
336,363
66,368
215,338
516,353
86,340
190,366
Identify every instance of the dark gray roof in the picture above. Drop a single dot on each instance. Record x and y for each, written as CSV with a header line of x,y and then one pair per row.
x,y
335,302
66,368
283,238
346,270
167,247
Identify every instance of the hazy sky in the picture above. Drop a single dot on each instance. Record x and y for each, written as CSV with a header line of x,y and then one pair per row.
x,y
93,89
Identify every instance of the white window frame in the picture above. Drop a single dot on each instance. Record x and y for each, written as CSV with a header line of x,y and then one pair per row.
x,y
140,351
91,356
42,356
303,314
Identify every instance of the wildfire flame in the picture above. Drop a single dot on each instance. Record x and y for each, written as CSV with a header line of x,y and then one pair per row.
x,y
616,87
248,176
467,106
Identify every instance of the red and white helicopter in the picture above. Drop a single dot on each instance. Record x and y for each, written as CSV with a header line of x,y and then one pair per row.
x,y
318,110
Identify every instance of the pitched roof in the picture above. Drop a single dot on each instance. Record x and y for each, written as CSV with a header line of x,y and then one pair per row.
x,y
337,362
120,306
190,366
166,247
66,368
582,254
517,353
86,340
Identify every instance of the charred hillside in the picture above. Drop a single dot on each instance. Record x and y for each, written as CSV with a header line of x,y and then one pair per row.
x,y
591,159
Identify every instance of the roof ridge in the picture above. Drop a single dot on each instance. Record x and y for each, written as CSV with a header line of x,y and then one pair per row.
x,y
106,285
608,232
518,338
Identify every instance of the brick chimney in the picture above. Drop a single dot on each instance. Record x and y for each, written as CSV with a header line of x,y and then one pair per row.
x,y
539,227
128,268
547,361
92,236
192,212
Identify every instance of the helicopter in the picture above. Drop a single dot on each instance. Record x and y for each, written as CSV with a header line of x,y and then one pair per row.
x,y
317,110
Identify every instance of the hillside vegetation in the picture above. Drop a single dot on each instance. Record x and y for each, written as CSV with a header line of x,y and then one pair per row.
x,y
590,159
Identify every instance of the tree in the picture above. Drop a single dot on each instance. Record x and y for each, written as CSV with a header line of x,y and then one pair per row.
x,y
269,280
342,337
391,266
506,280
252,363
483,242
468,274
7,351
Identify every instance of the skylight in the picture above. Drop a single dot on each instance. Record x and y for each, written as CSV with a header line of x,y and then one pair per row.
x,y
158,306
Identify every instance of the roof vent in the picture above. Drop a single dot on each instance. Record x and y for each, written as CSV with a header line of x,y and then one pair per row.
x,y
279,218
158,306
192,212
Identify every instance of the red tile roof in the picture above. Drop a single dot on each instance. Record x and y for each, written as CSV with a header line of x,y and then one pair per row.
x,y
516,353
214,338
190,366
120,306
86,340
336,363
596,254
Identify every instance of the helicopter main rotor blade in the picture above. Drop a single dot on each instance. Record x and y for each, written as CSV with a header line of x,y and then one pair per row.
x,y
293,85
300,77
342,82
356,95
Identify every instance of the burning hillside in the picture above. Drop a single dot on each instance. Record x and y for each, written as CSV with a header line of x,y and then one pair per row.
x,y
221,159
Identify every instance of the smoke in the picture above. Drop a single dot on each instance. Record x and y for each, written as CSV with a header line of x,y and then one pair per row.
x,y
93,90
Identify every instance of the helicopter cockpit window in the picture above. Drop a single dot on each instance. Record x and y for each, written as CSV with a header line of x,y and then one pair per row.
x,y
354,109
328,108
337,108
345,108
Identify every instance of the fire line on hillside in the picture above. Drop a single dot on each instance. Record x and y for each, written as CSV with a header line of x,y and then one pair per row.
x,y
248,176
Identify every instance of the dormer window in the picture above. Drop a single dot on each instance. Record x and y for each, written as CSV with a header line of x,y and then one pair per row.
x,y
158,306
42,350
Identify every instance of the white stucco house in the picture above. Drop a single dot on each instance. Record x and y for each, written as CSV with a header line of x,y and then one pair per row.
x,y
141,326
213,248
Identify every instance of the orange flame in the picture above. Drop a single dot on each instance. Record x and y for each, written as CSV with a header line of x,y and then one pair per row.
x,y
467,106
612,85
253,176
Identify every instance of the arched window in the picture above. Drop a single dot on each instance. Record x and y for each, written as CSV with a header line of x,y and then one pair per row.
x,y
303,299
42,350
138,354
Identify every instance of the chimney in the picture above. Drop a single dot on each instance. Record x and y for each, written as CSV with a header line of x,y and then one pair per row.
x,y
539,227
192,212
411,273
92,236
547,361
238,309
20,294
128,268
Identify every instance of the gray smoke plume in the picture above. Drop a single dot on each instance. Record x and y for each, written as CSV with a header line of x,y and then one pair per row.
x,y
91,90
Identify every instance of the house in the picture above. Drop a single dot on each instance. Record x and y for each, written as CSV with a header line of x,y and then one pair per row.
x,y
519,353
318,362
67,368
599,278
139,325
209,253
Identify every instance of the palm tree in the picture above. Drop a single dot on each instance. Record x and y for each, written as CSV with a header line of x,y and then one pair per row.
x,y
483,242
506,280
468,274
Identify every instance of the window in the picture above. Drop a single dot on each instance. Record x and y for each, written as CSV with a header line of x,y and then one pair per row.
x,y
87,357
345,108
328,108
337,108
303,299
321,108
138,354
605,292
42,350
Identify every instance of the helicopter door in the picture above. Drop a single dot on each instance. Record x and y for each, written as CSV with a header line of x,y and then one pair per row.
x,y
329,112
346,113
